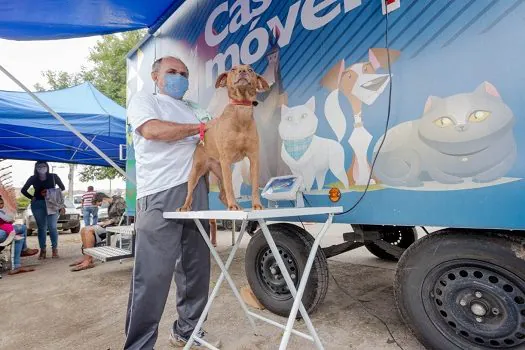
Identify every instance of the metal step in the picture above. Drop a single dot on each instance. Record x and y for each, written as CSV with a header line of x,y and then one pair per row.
x,y
108,253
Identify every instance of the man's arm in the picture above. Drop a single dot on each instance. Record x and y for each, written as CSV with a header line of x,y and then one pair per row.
x,y
159,130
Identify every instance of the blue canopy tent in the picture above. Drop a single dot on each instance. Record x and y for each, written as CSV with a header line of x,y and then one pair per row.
x,y
29,132
60,19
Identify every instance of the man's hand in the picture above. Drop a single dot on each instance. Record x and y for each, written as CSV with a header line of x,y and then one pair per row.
x,y
105,223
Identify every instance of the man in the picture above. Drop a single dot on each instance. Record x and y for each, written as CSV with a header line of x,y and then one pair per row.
x,y
88,207
21,250
92,235
165,133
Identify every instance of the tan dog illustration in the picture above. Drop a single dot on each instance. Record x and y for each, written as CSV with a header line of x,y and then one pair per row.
x,y
360,84
233,137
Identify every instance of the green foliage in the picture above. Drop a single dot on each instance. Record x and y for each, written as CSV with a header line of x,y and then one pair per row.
x,y
108,74
22,203
91,173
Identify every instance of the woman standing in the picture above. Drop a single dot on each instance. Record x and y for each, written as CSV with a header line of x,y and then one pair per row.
x,y
42,180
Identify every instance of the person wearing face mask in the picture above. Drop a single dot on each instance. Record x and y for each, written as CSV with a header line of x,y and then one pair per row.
x,y
166,130
41,181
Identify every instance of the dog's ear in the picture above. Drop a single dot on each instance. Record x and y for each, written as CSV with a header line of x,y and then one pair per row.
x,y
333,77
311,104
262,84
222,80
378,57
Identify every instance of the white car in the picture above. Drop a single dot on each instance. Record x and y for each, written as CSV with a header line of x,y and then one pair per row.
x,y
69,221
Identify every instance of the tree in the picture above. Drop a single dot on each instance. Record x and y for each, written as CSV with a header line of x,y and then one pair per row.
x,y
60,80
92,173
109,59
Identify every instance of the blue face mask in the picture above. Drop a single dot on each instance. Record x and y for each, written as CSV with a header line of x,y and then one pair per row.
x,y
175,85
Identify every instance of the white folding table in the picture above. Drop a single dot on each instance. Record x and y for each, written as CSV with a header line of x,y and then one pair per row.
x,y
261,216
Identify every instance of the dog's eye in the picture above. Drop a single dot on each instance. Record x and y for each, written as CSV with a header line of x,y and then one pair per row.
x,y
304,115
250,70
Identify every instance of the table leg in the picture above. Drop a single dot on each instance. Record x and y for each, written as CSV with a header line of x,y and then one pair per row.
x,y
224,274
297,294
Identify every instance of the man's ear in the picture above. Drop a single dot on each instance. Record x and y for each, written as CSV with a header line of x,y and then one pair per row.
x,y
262,84
221,80
154,76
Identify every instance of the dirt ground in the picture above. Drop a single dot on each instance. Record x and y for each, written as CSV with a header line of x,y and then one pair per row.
x,y
53,308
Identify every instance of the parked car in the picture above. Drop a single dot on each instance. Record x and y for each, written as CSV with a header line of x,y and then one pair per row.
x,y
69,221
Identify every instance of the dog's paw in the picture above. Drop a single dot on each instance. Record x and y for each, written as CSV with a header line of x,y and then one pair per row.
x,y
234,206
257,206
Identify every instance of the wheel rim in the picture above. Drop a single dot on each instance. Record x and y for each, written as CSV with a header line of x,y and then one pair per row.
x,y
270,276
401,237
476,303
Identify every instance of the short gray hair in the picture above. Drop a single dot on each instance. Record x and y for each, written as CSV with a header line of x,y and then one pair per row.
x,y
156,64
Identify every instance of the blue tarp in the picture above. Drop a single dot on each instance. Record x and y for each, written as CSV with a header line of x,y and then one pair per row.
x,y
29,132
60,19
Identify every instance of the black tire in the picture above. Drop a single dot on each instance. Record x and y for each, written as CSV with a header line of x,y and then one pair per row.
x,y
75,229
463,290
227,224
29,232
400,236
295,244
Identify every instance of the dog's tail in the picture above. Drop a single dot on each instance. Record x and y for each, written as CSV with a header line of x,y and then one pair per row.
x,y
334,114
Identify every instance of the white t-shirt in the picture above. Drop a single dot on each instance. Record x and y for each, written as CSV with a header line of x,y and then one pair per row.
x,y
160,165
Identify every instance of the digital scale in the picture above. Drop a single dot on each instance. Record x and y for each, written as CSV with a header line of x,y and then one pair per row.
x,y
284,188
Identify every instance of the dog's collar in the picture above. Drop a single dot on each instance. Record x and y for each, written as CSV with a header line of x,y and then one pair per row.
x,y
247,103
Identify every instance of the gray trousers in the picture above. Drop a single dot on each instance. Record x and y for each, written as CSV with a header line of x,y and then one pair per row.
x,y
166,248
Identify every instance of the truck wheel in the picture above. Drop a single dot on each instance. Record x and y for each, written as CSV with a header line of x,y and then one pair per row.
x,y
75,229
463,290
227,224
264,275
399,236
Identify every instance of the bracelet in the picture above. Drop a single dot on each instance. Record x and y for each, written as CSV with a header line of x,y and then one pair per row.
x,y
202,130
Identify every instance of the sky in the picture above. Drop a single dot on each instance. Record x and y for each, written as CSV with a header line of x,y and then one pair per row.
x,y
26,60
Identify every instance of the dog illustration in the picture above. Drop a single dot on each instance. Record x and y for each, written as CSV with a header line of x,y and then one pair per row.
x,y
360,83
304,152
233,137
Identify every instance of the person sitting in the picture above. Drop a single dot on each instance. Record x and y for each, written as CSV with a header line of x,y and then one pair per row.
x,y
6,227
91,235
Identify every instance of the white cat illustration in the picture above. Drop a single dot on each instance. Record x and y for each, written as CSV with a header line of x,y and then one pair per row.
x,y
305,153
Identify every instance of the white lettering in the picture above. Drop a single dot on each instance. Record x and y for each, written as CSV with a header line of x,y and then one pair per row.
x,y
351,4
241,17
262,38
260,10
211,38
285,32
308,14
220,62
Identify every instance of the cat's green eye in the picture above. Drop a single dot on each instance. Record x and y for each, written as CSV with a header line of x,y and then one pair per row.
x,y
443,122
478,116
304,115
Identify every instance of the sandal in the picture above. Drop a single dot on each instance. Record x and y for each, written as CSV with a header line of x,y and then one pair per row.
x,y
42,255
82,267
55,254
20,270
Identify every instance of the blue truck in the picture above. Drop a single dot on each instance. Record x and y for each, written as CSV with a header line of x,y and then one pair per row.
x,y
407,113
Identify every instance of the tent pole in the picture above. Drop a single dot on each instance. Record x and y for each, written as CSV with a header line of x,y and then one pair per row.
x,y
66,124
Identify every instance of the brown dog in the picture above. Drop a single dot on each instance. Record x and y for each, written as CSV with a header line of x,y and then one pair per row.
x,y
233,137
